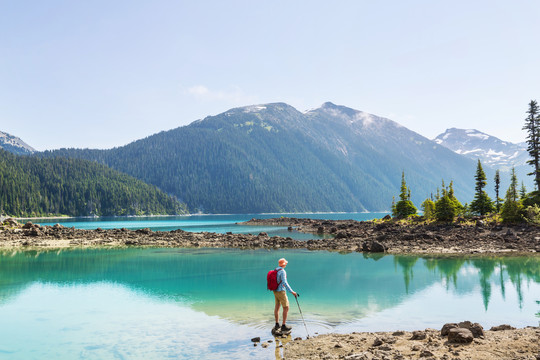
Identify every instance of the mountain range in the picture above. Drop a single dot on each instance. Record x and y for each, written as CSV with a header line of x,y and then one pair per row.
x,y
490,150
274,158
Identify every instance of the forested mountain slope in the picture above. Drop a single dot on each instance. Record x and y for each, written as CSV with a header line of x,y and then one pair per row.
x,y
32,186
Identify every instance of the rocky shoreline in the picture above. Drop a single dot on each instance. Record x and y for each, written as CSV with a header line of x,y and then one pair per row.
x,y
463,341
481,238
395,237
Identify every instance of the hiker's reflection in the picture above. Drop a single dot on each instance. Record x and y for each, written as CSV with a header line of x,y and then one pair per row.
x,y
281,341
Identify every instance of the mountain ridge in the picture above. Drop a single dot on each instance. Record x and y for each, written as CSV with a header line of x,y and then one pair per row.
x,y
274,158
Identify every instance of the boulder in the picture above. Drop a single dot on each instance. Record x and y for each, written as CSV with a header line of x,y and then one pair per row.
x,y
476,329
362,356
446,328
418,335
11,222
373,246
377,247
460,336
145,231
256,339
387,217
502,327
28,225
34,232
426,353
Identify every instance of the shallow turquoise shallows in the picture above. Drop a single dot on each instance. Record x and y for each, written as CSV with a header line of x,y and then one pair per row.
x,y
210,223
208,303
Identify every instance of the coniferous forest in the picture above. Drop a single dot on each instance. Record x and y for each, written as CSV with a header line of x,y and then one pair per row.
x,y
32,186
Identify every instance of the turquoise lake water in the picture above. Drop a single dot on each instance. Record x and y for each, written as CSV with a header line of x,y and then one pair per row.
x,y
208,303
209,223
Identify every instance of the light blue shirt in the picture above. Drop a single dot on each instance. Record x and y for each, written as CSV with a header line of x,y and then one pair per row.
x,y
282,280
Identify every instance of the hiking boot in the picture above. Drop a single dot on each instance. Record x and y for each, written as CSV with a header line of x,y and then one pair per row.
x,y
285,328
276,327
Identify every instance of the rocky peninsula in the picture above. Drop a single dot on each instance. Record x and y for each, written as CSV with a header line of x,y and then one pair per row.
x,y
397,237
479,237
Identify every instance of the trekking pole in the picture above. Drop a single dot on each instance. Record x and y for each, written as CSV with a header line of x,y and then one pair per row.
x,y
297,303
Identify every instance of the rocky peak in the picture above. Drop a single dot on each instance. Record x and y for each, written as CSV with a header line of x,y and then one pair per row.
x,y
14,144
489,149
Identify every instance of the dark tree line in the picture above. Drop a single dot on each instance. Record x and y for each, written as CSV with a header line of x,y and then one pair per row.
x,y
31,186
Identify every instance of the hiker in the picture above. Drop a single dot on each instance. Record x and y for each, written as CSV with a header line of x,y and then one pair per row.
x,y
281,296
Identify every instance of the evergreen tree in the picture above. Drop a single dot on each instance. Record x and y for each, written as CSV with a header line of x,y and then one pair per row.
x,y
482,203
394,211
532,125
497,189
511,209
522,191
405,206
448,206
403,193
428,207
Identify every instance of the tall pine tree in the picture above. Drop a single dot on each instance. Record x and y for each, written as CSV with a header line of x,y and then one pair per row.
x,y
404,206
481,204
497,190
532,125
511,209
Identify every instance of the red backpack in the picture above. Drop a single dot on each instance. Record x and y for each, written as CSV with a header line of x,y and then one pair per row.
x,y
271,279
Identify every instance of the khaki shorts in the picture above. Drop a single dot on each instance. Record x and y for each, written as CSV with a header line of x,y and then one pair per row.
x,y
281,298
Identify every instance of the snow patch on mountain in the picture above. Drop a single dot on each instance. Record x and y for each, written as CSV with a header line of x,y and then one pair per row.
x,y
14,144
490,150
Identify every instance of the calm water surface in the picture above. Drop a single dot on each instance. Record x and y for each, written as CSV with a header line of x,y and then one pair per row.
x,y
208,303
210,223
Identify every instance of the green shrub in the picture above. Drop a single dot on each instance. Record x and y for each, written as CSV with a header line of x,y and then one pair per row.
x,y
445,209
511,212
428,207
405,208
531,214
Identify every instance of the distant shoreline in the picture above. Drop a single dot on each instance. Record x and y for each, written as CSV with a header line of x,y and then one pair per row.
x,y
196,214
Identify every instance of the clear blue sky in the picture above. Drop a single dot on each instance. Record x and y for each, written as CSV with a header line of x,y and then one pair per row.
x,y
101,74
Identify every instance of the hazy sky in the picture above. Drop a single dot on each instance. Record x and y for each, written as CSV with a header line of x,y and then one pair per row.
x,y
101,74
